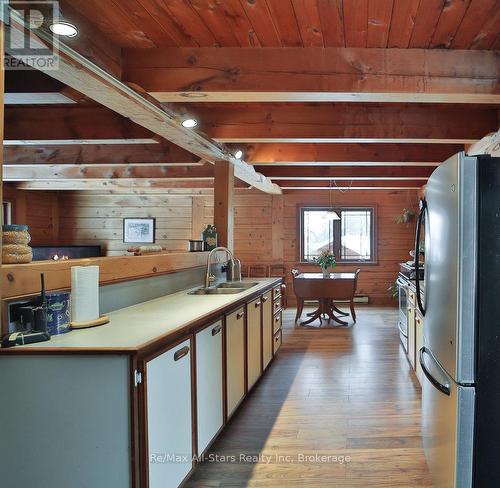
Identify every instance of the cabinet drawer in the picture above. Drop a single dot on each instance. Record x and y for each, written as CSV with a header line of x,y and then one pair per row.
x,y
277,305
276,341
277,320
276,292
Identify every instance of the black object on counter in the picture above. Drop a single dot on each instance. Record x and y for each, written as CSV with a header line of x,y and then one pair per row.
x,y
21,338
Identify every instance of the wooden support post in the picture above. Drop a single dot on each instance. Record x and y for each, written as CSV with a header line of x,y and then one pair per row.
x,y
197,217
223,203
2,88
277,228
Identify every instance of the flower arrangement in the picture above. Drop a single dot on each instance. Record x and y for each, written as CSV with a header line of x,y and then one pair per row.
x,y
326,260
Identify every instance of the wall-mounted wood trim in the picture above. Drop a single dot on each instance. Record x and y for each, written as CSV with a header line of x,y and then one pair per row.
x,y
24,279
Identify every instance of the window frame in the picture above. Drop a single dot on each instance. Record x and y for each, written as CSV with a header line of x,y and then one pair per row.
x,y
338,208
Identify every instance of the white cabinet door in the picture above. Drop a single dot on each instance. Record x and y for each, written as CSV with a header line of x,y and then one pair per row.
x,y
235,359
169,416
267,329
209,384
254,363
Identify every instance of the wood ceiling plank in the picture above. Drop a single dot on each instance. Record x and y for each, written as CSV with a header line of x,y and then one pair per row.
x,y
471,30
308,19
351,70
325,184
488,33
228,22
402,23
285,21
331,15
259,15
187,28
449,21
113,23
136,184
349,152
356,23
426,21
379,22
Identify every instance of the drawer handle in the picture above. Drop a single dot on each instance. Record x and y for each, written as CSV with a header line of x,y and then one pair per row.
x,y
216,329
181,353
240,315
277,305
277,319
258,304
265,299
277,338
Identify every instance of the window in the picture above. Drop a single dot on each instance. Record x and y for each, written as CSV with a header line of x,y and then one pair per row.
x,y
351,238
6,213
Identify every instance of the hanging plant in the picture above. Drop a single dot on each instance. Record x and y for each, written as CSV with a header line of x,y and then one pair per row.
x,y
406,217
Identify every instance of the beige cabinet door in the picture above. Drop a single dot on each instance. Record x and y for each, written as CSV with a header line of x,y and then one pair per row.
x,y
411,335
419,342
267,329
235,359
209,387
169,416
254,334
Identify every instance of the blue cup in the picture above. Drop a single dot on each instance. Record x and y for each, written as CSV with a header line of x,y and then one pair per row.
x,y
58,313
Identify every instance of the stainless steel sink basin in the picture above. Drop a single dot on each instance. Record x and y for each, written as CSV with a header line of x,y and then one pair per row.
x,y
216,291
227,288
237,284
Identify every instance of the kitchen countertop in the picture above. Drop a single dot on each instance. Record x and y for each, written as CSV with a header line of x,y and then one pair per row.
x,y
138,326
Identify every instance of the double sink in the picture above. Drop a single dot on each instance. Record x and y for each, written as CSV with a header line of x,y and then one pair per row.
x,y
226,288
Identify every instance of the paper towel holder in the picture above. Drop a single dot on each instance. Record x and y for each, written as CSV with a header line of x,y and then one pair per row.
x,y
104,319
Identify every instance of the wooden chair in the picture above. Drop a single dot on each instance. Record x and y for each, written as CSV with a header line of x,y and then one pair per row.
x,y
300,301
348,293
257,271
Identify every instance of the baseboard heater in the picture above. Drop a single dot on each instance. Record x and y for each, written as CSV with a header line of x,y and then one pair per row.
x,y
360,299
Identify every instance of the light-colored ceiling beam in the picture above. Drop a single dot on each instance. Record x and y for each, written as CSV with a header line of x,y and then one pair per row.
x,y
340,140
87,78
83,142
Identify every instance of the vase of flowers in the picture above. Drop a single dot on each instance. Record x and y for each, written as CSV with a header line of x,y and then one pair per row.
x,y
326,260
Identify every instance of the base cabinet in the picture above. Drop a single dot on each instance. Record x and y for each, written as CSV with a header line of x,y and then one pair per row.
x,y
209,385
267,329
254,363
169,419
235,359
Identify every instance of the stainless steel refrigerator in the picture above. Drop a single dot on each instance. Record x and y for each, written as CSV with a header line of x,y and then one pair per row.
x,y
461,352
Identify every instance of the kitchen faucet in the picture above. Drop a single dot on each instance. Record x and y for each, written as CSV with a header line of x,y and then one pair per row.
x,y
210,278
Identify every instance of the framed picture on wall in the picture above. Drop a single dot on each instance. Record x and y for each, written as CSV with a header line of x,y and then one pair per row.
x,y
139,230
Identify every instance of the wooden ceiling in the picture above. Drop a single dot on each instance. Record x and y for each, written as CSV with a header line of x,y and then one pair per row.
x,y
448,24
363,93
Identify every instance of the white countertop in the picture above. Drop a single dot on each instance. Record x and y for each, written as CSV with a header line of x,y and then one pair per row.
x,y
134,327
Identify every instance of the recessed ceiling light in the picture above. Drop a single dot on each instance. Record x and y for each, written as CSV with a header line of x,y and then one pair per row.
x,y
238,154
189,123
63,29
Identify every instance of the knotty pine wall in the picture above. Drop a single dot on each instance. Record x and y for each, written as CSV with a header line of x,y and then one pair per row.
x,y
265,225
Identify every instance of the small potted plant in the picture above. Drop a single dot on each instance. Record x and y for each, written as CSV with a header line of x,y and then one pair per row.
x,y
326,260
406,217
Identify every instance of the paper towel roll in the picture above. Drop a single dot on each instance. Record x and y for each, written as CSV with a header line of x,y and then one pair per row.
x,y
84,293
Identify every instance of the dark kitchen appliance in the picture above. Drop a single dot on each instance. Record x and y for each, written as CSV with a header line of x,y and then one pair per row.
x,y
460,357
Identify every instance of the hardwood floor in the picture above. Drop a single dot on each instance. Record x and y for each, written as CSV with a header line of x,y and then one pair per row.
x,y
348,393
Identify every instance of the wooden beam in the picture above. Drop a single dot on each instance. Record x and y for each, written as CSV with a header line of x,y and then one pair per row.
x,y
223,203
98,154
84,76
340,122
329,172
342,184
266,153
341,140
76,142
37,99
36,172
70,123
315,74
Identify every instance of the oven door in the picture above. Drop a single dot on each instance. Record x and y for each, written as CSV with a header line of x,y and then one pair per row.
x,y
403,313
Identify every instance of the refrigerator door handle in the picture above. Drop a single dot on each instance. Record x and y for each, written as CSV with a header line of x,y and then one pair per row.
x,y
421,215
439,386
401,331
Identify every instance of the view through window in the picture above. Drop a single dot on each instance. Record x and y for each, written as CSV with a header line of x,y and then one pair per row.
x,y
351,238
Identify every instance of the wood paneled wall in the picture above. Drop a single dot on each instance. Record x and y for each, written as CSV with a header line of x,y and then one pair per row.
x,y
38,210
266,232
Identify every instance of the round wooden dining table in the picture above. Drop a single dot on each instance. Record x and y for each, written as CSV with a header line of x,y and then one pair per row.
x,y
314,286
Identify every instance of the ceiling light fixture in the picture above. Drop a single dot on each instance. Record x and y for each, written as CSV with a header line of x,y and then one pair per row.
x,y
238,154
65,29
189,123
